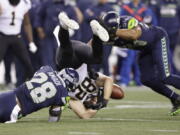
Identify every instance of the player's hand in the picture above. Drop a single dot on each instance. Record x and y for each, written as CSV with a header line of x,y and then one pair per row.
x,y
97,106
88,104
32,47
100,104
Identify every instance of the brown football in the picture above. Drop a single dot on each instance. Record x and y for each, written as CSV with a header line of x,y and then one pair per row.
x,y
117,92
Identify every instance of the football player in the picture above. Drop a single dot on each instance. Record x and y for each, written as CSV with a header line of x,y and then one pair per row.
x,y
86,98
73,53
14,13
46,88
153,44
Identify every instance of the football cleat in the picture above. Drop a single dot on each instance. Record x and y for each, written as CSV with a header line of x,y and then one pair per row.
x,y
66,22
99,31
176,107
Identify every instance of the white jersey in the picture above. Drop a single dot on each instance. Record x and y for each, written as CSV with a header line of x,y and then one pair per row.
x,y
87,87
11,17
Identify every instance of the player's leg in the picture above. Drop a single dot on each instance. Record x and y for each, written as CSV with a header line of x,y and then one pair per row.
x,y
65,24
99,31
73,53
9,110
161,58
3,47
150,78
100,35
21,52
65,53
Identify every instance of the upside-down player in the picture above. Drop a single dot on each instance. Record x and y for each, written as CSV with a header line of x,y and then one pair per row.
x,y
77,54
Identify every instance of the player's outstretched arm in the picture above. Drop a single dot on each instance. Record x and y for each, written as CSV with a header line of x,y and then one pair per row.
x,y
80,110
129,34
107,83
28,31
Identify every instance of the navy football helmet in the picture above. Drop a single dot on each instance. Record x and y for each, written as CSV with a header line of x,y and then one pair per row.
x,y
70,77
110,20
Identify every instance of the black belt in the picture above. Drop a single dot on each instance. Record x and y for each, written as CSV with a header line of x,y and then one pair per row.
x,y
2,34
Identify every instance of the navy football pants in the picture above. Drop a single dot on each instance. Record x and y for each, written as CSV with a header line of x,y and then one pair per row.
x,y
7,104
155,66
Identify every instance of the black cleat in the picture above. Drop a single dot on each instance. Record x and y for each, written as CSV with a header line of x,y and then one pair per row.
x,y
176,107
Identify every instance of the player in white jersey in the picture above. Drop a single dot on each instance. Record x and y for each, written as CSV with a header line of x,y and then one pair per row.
x,y
91,93
86,98
14,13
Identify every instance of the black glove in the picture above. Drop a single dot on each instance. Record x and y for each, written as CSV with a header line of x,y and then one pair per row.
x,y
103,103
88,104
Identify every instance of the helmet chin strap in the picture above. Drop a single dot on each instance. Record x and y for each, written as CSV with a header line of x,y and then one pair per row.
x,y
14,2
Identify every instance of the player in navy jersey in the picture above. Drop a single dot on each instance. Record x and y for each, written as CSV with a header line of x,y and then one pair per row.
x,y
154,61
46,88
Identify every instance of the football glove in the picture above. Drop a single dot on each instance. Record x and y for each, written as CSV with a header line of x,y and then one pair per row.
x,y
100,105
32,47
88,104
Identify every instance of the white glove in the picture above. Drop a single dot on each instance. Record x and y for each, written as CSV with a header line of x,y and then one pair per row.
x,y
32,47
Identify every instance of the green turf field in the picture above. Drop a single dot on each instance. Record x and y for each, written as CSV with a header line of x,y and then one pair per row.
x,y
141,112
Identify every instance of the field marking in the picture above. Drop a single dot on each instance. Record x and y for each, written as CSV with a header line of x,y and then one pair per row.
x,y
169,131
83,133
138,102
138,106
141,105
136,120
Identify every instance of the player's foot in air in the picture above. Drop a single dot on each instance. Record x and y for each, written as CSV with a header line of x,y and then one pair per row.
x,y
99,30
176,107
66,22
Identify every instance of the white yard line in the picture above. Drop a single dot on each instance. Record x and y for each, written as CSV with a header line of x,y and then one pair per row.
x,y
155,106
169,131
138,102
140,105
135,120
83,133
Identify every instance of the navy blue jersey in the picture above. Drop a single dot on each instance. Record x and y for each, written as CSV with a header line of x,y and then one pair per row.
x,y
43,90
149,35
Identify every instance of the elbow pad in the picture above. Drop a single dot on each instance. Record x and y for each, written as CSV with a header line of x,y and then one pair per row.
x,y
54,114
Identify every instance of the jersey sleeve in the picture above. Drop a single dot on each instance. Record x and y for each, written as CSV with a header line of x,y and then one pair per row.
x,y
27,6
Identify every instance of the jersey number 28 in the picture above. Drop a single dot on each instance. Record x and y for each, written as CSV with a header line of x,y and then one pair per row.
x,y
45,89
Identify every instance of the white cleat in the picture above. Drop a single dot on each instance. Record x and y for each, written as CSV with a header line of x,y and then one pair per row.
x,y
66,22
99,30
